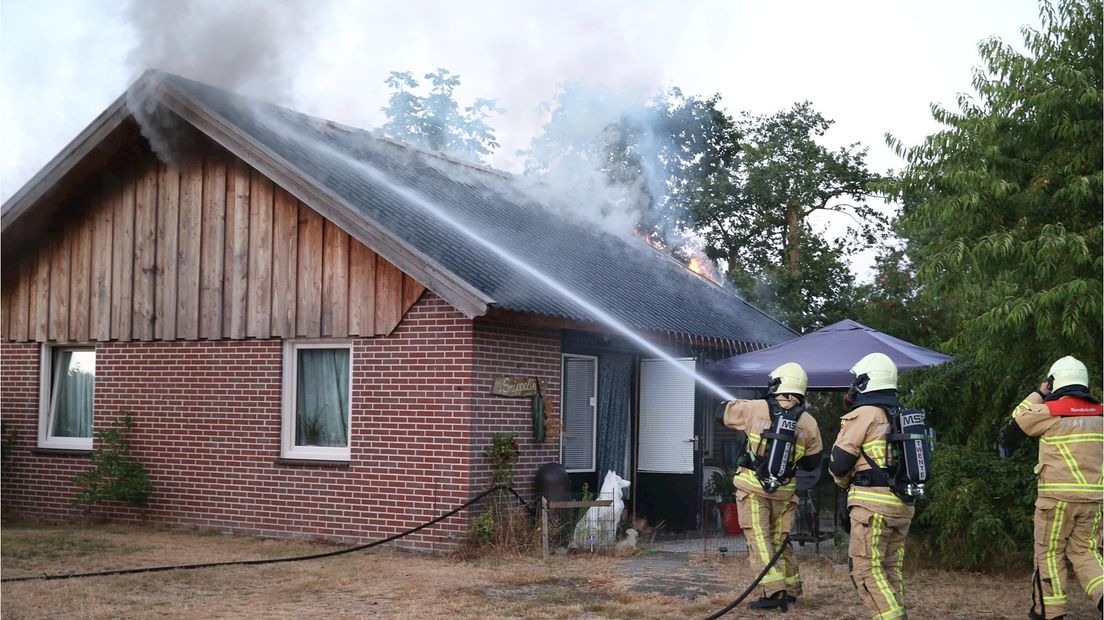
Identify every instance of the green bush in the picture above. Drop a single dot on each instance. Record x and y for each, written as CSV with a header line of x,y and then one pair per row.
x,y
116,475
980,512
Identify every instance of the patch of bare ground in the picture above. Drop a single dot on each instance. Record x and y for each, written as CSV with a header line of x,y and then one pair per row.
x,y
388,583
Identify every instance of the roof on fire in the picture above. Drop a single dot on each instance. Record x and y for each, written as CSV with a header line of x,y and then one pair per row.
x,y
470,234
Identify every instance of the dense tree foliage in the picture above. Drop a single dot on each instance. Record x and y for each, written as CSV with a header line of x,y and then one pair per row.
x,y
1001,216
1004,210
435,120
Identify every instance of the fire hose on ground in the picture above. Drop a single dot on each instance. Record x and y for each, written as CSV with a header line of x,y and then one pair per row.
x,y
299,558
329,554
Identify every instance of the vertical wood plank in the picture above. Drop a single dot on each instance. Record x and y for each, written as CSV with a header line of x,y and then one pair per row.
x,y
260,256
122,261
362,290
335,281
145,253
285,254
236,271
59,289
388,297
80,270
40,297
188,249
20,304
5,312
103,232
411,291
168,220
308,315
214,248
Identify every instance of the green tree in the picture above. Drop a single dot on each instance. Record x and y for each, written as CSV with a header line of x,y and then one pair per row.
x,y
760,225
435,120
1002,208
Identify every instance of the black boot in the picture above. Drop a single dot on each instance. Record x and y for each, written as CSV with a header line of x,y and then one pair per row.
x,y
1032,615
778,601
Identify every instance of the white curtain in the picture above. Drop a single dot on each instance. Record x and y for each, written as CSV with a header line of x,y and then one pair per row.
x,y
322,398
73,390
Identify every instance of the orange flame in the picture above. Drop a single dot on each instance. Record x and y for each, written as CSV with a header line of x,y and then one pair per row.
x,y
703,268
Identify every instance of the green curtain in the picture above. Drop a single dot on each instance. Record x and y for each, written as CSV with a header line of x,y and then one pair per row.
x,y
322,398
73,389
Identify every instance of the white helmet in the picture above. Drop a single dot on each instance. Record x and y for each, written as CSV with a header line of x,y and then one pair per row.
x,y
789,378
880,371
1068,371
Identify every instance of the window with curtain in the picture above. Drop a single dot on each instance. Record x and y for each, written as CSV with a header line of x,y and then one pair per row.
x,y
316,400
68,382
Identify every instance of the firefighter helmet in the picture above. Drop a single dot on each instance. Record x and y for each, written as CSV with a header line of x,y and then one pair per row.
x,y
1067,371
874,372
789,378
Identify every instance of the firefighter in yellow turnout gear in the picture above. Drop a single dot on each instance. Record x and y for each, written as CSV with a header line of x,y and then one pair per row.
x,y
765,486
879,520
1068,422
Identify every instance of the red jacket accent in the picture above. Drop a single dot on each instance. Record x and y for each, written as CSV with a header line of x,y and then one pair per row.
x,y
1073,406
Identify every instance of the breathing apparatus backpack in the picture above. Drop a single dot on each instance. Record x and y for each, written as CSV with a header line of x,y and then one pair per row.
x,y
908,454
776,467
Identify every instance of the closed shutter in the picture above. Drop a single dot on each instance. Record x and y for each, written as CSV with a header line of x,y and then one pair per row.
x,y
579,412
666,417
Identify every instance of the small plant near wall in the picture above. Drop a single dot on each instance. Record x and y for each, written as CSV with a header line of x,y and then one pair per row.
x,y
496,526
503,454
116,475
8,437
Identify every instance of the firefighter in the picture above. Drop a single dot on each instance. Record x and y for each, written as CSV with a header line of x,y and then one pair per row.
x,y
1067,420
879,519
765,498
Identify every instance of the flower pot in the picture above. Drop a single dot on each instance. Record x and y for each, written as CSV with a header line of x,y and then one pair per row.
x,y
730,518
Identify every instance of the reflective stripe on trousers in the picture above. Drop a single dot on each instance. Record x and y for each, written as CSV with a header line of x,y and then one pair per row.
x,y
877,556
1067,531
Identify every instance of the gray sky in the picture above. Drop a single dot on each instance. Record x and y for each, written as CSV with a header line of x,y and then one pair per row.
x,y
873,66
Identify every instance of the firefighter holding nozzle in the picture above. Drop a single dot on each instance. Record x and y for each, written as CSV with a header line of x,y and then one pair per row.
x,y
780,438
1067,420
881,457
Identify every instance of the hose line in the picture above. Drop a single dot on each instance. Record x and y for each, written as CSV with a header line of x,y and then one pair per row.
x,y
762,573
299,558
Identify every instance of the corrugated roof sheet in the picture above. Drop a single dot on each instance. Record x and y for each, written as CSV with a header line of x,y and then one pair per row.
x,y
623,276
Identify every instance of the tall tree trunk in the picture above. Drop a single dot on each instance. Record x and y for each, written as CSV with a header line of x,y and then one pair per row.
x,y
793,253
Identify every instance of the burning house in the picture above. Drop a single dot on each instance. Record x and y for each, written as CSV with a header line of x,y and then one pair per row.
x,y
317,331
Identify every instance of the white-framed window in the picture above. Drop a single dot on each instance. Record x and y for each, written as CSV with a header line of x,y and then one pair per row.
x,y
317,394
67,383
579,412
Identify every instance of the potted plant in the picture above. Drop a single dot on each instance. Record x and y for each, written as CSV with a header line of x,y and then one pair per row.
x,y
723,486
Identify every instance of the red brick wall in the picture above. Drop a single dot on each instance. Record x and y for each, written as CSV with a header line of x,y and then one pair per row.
x,y
504,350
208,429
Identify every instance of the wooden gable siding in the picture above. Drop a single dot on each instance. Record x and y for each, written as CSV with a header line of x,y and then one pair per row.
x,y
206,250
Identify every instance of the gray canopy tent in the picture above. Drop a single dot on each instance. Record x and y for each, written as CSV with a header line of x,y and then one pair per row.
x,y
827,356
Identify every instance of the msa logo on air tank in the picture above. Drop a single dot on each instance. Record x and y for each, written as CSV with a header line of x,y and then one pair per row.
x,y
912,419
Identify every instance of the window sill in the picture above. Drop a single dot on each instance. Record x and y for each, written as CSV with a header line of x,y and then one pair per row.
x,y
60,452
311,462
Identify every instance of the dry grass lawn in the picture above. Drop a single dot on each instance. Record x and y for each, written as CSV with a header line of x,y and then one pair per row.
x,y
386,583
